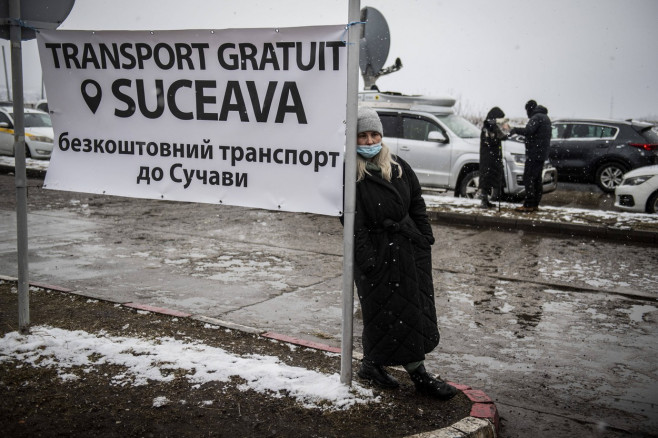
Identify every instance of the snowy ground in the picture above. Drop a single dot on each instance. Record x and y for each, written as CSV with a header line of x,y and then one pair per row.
x,y
29,163
148,360
614,219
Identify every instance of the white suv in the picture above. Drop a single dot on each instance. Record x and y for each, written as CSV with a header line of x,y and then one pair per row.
x,y
442,147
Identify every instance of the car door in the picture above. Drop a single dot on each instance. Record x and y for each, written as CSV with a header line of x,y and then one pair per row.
x,y
6,135
430,159
578,146
558,150
391,127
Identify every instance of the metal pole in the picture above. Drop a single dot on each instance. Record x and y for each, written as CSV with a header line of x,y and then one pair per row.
x,y
19,156
503,178
350,192
4,61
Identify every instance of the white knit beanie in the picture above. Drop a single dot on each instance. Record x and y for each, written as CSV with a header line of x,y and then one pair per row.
x,y
368,120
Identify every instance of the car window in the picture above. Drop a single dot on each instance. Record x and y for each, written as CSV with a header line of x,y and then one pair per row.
x,y
559,131
459,125
416,128
390,124
598,131
37,120
5,118
582,130
650,136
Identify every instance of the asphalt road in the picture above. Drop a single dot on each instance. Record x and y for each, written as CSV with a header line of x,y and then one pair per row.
x,y
558,331
581,196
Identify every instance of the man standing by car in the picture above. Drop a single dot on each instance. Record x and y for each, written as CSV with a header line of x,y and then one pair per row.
x,y
537,135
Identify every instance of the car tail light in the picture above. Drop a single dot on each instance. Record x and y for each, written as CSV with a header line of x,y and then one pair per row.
x,y
645,146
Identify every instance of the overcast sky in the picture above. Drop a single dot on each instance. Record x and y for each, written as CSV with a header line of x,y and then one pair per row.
x,y
594,58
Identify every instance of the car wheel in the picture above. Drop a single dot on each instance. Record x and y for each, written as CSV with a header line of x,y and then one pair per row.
x,y
469,185
27,152
609,176
652,203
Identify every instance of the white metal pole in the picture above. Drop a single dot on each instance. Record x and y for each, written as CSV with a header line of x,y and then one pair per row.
x,y
350,191
19,158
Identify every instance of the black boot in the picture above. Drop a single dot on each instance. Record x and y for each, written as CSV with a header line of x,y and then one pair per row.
x,y
429,385
485,202
377,375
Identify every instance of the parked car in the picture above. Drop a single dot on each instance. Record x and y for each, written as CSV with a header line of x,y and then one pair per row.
x,y
442,147
42,105
638,190
38,133
601,151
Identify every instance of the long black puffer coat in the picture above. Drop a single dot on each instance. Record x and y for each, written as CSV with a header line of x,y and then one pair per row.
x,y
491,157
393,268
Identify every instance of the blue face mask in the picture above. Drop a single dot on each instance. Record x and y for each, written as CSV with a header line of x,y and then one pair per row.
x,y
369,151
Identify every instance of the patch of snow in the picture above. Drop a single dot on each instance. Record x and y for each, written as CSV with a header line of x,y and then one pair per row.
x,y
176,262
158,402
507,308
146,360
613,219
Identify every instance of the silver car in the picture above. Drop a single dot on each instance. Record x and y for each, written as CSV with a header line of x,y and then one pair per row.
x,y
442,147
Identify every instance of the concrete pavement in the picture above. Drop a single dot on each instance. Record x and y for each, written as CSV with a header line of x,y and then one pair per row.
x,y
273,277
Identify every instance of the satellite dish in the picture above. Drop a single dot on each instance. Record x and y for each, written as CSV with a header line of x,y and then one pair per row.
x,y
35,14
375,41
374,45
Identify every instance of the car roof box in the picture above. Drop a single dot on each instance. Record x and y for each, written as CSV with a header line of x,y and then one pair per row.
x,y
397,100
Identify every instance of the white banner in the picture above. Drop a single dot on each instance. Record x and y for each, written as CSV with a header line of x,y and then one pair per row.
x,y
247,117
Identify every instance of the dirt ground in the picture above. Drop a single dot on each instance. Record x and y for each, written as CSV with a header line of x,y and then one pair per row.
x,y
35,402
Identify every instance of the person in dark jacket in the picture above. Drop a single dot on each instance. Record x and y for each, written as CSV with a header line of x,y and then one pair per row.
x,y
393,265
491,156
537,142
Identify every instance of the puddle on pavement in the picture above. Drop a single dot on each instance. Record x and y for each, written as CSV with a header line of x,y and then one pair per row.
x,y
636,312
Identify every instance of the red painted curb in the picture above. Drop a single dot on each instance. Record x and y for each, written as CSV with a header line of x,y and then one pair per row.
x,y
459,386
477,396
157,310
486,411
301,342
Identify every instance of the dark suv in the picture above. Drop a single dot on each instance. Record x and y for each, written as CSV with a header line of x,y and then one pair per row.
x,y
601,151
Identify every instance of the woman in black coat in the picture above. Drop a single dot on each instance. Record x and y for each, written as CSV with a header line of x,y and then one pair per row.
x,y
491,157
393,266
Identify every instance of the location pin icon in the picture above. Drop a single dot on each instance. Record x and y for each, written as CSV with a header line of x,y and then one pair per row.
x,y
93,99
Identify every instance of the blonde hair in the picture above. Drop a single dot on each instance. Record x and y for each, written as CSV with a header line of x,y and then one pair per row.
x,y
383,159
